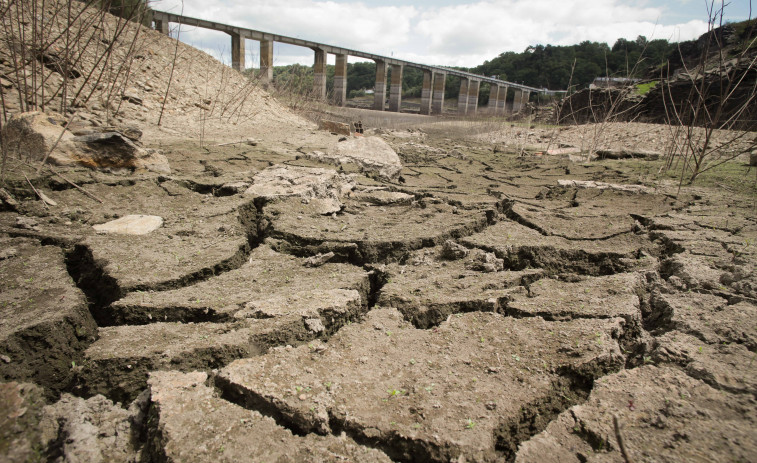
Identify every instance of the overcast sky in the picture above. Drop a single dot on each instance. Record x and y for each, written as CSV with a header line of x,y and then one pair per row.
x,y
443,32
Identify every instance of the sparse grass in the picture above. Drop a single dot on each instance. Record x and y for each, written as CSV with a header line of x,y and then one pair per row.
x,y
644,88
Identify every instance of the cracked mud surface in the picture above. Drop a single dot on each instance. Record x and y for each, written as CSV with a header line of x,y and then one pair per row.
x,y
474,310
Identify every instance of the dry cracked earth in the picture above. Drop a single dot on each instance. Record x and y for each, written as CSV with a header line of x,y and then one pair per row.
x,y
472,310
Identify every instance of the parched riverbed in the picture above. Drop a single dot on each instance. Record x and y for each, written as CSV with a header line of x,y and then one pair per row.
x,y
474,309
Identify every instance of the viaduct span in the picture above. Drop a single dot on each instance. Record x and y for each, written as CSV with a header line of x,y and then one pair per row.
x,y
434,77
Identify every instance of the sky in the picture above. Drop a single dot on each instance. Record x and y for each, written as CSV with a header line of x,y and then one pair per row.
x,y
443,32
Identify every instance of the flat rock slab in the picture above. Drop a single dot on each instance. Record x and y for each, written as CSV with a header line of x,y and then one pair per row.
x,y
665,416
382,197
45,324
522,247
591,297
457,390
603,186
265,276
320,189
371,233
430,288
190,423
723,366
131,225
372,155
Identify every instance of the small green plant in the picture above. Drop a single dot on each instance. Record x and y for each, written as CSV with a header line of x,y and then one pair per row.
x,y
395,392
470,424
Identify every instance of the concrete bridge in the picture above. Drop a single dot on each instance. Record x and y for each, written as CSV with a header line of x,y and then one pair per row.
x,y
434,77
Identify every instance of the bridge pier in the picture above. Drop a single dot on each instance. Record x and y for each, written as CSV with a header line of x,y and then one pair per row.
x,y
266,61
491,107
437,105
395,90
237,51
161,26
520,100
427,91
340,80
473,87
502,100
379,90
462,97
319,74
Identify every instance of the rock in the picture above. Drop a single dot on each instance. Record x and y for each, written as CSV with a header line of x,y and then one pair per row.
x,y
131,95
603,186
372,155
131,225
7,253
321,189
383,197
319,259
34,134
453,251
338,128
27,223
626,154
483,261
7,201
112,149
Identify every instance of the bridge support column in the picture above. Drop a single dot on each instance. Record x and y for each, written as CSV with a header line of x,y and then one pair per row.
x,y
161,26
473,88
395,90
462,97
517,100
491,107
266,61
499,109
319,74
437,106
427,91
520,100
379,90
340,80
237,51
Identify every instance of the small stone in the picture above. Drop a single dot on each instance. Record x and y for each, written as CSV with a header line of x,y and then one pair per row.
x,y
453,251
8,253
5,359
27,223
131,225
319,259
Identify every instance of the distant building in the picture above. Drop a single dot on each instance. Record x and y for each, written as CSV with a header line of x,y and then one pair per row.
x,y
612,82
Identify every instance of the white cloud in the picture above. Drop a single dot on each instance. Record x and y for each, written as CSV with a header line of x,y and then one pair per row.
x,y
459,35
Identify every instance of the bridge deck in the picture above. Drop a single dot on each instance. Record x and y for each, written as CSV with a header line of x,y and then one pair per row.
x,y
260,35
